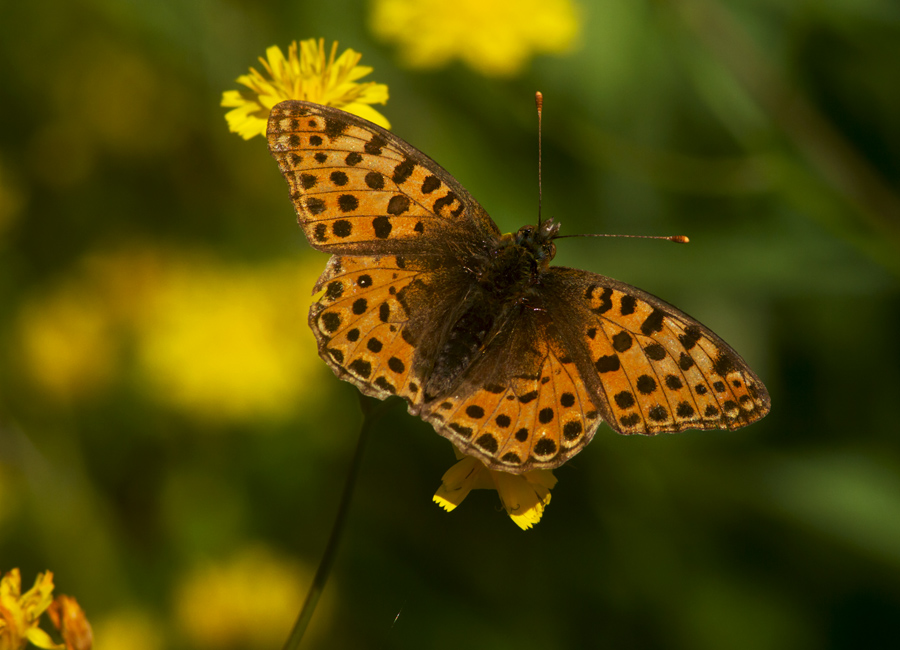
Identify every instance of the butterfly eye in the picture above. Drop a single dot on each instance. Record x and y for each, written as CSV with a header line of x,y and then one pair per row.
x,y
525,233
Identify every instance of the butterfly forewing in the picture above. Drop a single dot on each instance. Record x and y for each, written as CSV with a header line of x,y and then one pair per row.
x,y
359,189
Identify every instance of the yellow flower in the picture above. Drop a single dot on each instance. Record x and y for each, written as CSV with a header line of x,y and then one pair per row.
x,y
224,342
68,617
130,629
247,601
20,613
217,340
495,37
306,75
67,343
523,495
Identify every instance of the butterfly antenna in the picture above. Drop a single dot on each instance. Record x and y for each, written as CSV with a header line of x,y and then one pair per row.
x,y
539,102
678,239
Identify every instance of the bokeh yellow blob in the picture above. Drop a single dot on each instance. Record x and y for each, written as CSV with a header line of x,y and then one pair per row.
x,y
129,629
230,342
249,601
66,342
494,37
219,341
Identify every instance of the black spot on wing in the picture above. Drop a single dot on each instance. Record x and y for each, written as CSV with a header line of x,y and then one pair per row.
x,y
382,227
403,171
430,184
375,144
622,341
398,204
315,205
608,363
339,178
690,336
605,302
342,228
333,127
653,323
374,181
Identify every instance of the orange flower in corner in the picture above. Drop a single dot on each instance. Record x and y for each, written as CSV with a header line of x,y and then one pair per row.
x,y
69,619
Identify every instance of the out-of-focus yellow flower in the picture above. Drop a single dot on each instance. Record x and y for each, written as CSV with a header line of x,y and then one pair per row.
x,y
524,496
495,37
308,74
66,342
129,630
248,602
229,343
20,613
68,617
219,341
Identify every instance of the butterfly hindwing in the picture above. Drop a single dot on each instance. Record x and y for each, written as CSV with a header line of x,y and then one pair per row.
x,y
359,325
521,405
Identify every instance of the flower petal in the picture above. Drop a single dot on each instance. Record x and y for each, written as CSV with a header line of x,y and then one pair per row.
x,y
36,636
524,501
457,482
308,74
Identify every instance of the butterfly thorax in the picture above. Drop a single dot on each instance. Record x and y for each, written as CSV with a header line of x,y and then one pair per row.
x,y
504,284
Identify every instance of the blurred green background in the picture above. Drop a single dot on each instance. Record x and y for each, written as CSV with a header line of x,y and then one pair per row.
x,y
173,450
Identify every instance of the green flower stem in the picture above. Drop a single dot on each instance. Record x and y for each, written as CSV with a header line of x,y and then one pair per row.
x,y
372,409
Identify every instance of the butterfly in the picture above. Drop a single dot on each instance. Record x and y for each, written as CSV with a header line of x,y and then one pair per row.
x,y
515,361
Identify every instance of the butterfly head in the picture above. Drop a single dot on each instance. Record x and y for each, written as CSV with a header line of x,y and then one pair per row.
x,y
539,240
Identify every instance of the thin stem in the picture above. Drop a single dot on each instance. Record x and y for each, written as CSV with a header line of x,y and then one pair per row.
x,y
372,409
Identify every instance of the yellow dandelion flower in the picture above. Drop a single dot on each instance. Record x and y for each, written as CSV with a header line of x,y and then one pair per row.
x,y
305,74
68,617
524,496
495,37
20,613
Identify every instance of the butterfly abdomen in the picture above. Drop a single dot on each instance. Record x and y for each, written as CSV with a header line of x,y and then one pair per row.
x,y
464,339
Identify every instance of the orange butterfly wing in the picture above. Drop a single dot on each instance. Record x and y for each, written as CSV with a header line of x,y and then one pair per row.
x,y
357,189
